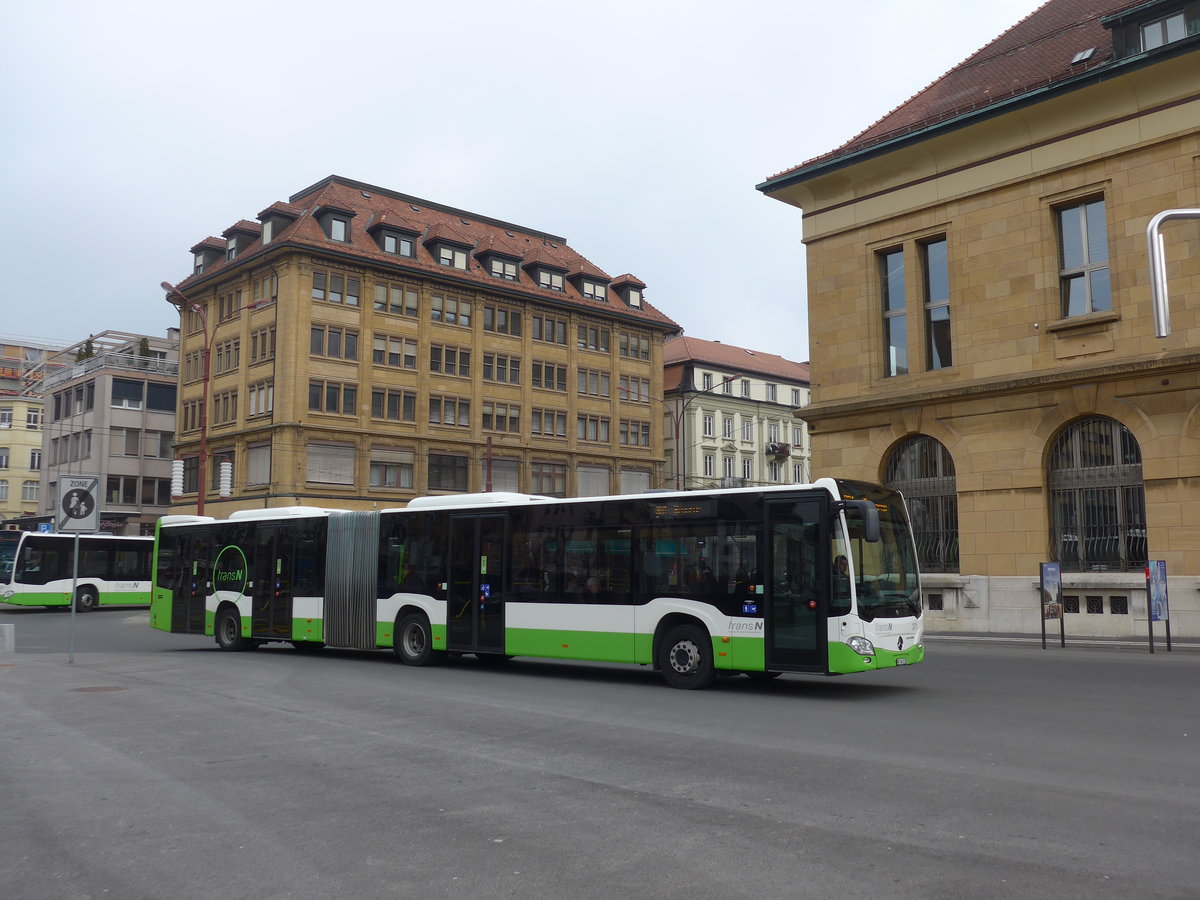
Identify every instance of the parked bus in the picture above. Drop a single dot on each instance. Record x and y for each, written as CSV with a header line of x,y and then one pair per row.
x,y
818,579
113,571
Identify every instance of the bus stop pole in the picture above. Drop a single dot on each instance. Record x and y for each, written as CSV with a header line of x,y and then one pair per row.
x,y
74,590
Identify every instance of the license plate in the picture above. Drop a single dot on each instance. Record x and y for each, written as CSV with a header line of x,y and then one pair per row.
x,y
901,661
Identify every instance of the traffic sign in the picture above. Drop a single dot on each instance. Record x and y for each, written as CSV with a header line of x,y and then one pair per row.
x,y
79,506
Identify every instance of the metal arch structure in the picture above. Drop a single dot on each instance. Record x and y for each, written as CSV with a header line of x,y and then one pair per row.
x,y
1158,267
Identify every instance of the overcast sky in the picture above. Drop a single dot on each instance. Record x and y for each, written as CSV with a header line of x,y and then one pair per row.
x,y
636,129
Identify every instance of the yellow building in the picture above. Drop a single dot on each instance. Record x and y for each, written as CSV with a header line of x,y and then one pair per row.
x,y
981,320
365,347
24,363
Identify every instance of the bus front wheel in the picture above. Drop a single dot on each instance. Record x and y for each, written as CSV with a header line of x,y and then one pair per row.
x,y
228,630
414,642
685,658
86,598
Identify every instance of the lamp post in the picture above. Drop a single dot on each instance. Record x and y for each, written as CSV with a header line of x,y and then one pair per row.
x,y
184,302
676,411
1158,267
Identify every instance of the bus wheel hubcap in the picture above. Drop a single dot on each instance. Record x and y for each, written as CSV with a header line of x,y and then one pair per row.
x,y
684,657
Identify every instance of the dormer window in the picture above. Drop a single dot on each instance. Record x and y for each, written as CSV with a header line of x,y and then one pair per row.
x,y
1144,28
397,244
1164,31
552,281
268,231
634,298
629,289
198,264
593,290
454,257
335,222
231,248
504,268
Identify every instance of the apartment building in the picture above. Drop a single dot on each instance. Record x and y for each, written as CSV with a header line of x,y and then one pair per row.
x,y
729,416
359,346
110,412
24,365
981,317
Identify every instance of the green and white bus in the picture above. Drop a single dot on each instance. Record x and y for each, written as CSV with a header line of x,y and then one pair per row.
x,y
817,578
113,571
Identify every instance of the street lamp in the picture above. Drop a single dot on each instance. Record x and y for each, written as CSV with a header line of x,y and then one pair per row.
x,y
675,411
1158,267
181,301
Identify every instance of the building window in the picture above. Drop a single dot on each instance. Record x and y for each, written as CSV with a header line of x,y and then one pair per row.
x,y
551,281
590,337
258,464
747,468
398,406
1097,500
332,341
224,407
260,400
332,287
1083,254
592,428
501,417
727,466
727,428
339,229
635,434
594,290
6,417
797,473
453,411
549,376
397,352
397,244
122,489
127,394
747,430
125,442
710,465
548,479
332,397
266,287
593,383
227,356
35,460
773,433
262,345
501,320
746,387
706,381
795,396
450,360
504,369
397,299
548,422
708,426
923,470
450,310
454,257
1164,31
156,491
634,346
772,392
636,390
29,492
504,268
895,325
552,331
773,472
391,469
330,463
447,473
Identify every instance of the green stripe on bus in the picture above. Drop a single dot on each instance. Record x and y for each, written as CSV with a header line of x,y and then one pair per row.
x,y
843,660
63,598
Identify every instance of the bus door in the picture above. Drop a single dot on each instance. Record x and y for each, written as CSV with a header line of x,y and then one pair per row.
x,y
271,572
184,569
795,594
474,601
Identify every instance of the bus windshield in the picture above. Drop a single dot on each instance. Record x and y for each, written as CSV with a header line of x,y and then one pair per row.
x,y
886,578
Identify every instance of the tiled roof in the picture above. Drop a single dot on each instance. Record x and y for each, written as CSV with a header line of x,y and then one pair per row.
x,y
372,205
1035,53
733,358
245,226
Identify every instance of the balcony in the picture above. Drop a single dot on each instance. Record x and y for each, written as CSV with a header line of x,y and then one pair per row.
x,y
126,362
774,448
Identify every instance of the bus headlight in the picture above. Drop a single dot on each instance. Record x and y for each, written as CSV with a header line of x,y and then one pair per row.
x,y
860,645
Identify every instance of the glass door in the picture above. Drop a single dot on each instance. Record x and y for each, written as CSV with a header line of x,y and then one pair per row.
x,y
475,604
795,593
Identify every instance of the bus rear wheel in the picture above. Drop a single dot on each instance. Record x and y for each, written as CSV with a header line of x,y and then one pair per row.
x,y
414,641
227,629
86,598
685,658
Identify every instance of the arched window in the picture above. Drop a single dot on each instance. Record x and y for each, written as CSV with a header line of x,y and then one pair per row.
x,y
1097,502
921,469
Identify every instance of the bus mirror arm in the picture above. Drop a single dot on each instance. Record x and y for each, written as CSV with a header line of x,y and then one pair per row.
x,y
870,517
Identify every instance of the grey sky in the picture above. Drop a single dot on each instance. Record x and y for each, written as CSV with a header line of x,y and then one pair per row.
x,y
636,130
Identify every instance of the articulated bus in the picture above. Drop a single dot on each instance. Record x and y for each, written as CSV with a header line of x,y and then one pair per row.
x,y
817,579
38,570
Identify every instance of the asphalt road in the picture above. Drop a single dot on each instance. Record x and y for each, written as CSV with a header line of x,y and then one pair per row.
x,y
155,766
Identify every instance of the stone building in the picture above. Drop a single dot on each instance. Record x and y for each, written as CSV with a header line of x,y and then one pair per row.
x,y
25,364
729,416
981,320
365,347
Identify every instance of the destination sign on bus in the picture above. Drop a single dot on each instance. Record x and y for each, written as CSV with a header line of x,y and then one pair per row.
x,y
684,509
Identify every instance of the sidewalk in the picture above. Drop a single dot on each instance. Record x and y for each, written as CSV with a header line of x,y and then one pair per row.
x,y
1053,640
